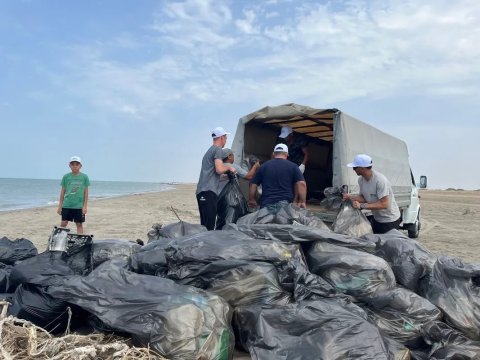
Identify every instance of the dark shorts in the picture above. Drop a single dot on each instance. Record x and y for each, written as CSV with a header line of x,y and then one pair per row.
x,y
382,228
73,215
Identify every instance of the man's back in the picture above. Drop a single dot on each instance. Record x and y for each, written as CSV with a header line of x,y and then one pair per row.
x,y
278,178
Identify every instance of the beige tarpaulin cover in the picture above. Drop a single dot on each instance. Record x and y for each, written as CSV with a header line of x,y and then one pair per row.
x,y
348,135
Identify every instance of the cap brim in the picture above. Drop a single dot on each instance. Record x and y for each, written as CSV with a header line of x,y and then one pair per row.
x,y
351,165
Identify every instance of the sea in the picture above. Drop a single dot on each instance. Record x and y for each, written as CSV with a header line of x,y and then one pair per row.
x,y
17,194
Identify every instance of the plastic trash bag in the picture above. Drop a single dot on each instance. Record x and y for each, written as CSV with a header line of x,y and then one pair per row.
x,y
409,260
333,198
446,343
5,271
174,230
351,221
261,216
454,287
240,282
32,303
177,321
187,255
401,314
15,250
231,204
350,271
150,259
321,329
292,214
103,250
43,269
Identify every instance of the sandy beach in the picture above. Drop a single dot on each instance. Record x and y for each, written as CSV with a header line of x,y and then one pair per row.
x,y
450,219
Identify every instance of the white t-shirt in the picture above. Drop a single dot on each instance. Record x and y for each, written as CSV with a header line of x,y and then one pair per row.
x,y
373,190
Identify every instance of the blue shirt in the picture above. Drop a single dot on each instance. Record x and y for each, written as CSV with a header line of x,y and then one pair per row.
x,y
278,178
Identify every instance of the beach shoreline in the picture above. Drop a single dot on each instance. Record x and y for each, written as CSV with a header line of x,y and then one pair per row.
x,y
450,219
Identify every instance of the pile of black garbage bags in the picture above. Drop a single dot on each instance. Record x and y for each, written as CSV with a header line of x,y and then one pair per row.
x,y
277,286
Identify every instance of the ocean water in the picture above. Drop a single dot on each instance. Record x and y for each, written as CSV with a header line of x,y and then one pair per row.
x,y
16,194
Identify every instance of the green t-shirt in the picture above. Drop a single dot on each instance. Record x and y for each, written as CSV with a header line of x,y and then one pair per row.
x,y
74,186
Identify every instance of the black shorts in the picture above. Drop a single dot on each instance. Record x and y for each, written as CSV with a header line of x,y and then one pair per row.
x,y
382,228
73,215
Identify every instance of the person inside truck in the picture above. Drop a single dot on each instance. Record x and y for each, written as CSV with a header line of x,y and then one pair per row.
x,y
228,160
298,151
282,183
376,195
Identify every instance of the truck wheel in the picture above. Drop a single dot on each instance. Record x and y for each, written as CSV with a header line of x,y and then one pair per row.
x,y
414,230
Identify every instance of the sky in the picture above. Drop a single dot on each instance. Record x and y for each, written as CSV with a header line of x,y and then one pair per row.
x,y
135,87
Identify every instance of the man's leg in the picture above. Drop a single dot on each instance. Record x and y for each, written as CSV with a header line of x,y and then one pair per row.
x,y
207,206
79,228
382,228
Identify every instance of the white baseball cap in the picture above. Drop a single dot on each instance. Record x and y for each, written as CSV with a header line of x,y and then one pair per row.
x,y
219,131
361,160
281,148
76,158
286,130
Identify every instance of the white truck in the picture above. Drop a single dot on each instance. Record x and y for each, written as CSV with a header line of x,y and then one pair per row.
x,y
334,138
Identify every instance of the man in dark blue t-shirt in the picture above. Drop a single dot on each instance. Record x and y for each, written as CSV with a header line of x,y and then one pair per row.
x,y
282,183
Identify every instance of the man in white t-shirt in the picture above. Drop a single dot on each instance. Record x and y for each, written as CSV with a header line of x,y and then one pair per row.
x,y
376,195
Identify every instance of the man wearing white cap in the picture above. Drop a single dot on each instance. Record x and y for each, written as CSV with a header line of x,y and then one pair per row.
x,y
207,187
376,195
297,146
282,183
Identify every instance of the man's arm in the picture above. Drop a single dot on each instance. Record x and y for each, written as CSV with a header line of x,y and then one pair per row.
x,y
383,203
220,168
60,201
251,173
252,195
85,201
301,194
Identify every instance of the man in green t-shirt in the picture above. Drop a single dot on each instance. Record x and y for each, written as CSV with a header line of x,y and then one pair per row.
x,y
74,195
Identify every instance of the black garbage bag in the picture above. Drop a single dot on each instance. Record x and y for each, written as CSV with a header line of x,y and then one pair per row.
x,y
103,250
231,204
240,282
454,287
446,343
301,234
351,221
174,230
401,314
292,214
409,260
177,321
333,198
350,271
261,216
43,269
5,271
188,255
15,250
32,303
150,259
320,329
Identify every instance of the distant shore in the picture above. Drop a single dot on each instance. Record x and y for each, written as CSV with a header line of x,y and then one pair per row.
x,y
450,219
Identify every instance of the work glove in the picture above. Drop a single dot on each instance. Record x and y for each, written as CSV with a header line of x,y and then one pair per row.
x,y
302,168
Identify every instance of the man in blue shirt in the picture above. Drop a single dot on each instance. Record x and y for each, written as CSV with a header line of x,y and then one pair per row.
x,y
282,183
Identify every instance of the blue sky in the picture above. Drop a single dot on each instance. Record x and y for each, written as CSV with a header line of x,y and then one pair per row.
x,y
135,87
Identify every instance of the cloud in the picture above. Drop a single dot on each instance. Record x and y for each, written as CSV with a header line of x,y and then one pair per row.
x,y
220,51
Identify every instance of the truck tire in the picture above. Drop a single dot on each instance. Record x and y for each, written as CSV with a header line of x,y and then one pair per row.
x,y
414,229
